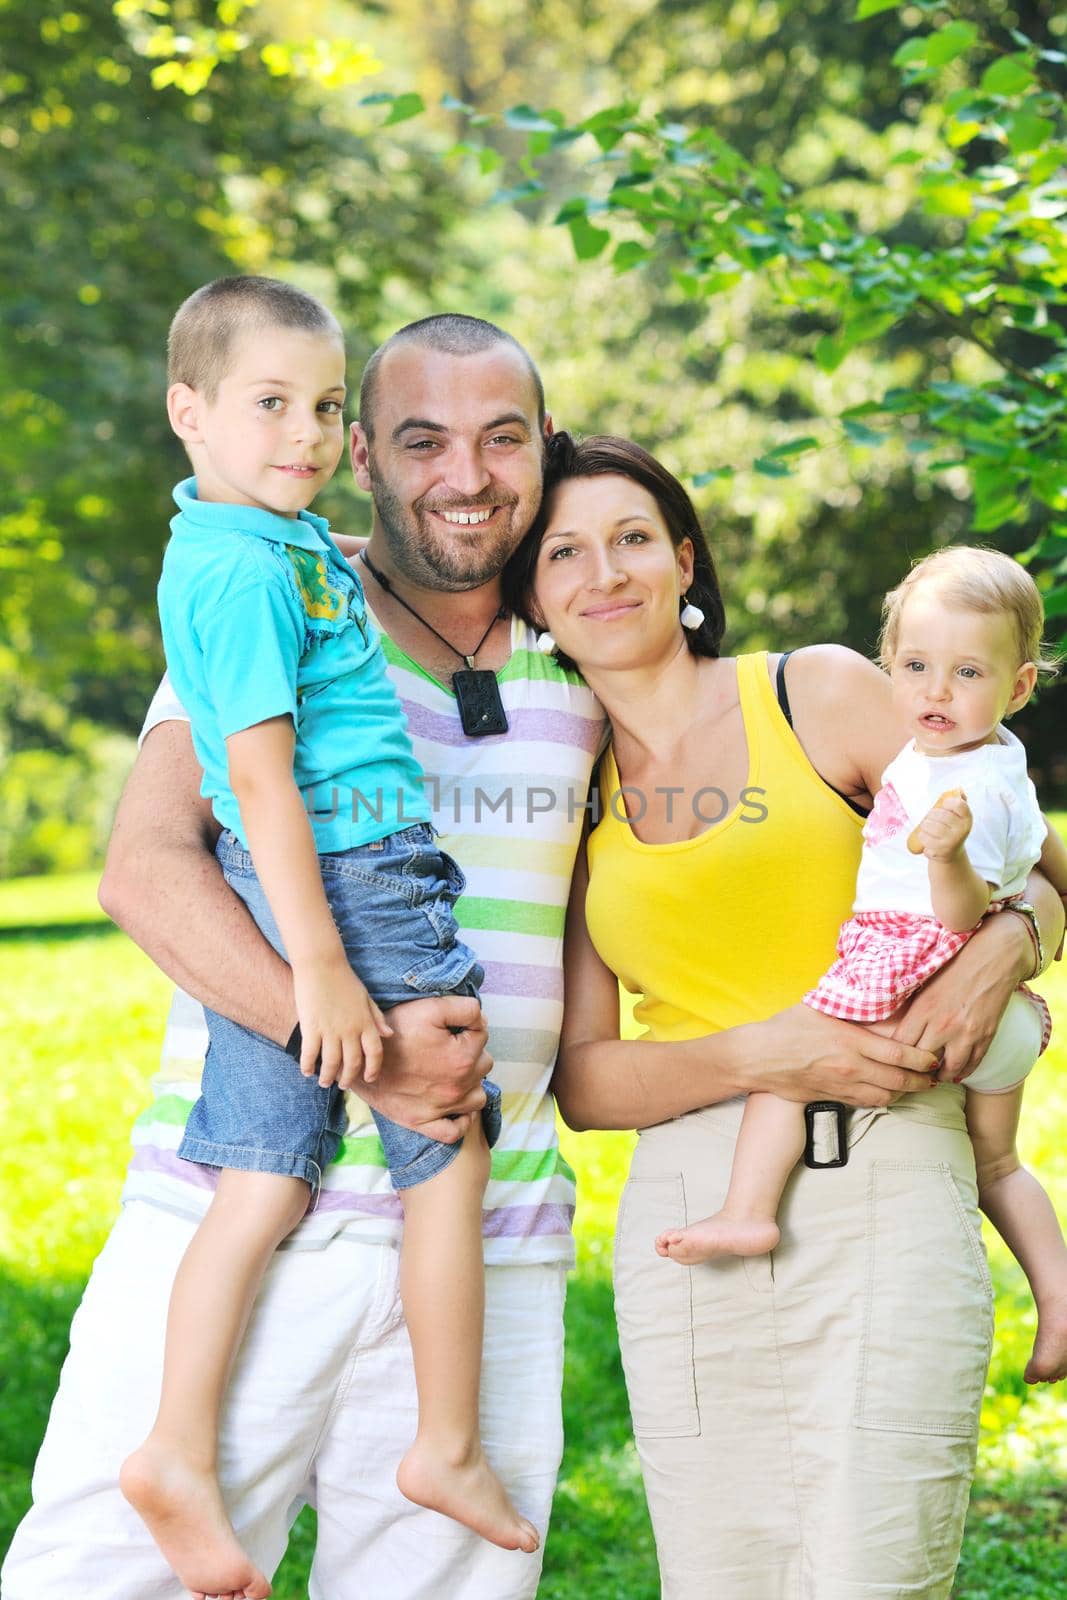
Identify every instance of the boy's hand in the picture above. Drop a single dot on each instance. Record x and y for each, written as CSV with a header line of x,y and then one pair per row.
x,y
942,833
340,1025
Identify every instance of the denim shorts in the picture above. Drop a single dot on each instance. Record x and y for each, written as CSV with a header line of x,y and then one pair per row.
x,y
393,903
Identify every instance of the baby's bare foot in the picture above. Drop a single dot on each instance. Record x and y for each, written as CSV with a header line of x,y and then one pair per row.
x,y
183,1511
469,1491
719,1235
1049,1360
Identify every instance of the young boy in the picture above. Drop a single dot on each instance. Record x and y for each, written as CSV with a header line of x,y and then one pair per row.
x,y
327,840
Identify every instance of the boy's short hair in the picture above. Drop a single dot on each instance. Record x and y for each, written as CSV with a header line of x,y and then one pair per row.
x,y
974,578
208,324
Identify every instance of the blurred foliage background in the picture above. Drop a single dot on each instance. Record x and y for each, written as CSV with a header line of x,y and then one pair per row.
x,y
146,147
399,159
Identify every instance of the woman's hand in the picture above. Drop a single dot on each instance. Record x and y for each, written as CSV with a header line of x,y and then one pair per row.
x,y
800,1054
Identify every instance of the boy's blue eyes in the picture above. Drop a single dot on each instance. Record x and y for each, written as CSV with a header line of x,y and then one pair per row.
x,y
273,402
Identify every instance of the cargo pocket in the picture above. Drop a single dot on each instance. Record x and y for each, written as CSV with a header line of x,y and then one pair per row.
x,y
927,1289
654,1308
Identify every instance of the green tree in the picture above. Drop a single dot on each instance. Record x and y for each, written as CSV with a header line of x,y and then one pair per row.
x,y
120,195
897,282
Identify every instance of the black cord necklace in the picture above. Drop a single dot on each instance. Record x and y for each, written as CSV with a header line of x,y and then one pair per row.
x,y
477,692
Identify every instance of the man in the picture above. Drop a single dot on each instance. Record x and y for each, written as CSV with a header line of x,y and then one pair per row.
x,y
321,1403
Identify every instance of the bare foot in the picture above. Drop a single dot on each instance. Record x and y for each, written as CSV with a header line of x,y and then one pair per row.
x,y
183,1511
469,1491
1049,1360
719,1235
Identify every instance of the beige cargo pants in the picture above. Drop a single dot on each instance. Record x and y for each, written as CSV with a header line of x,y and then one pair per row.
x,y
807,1422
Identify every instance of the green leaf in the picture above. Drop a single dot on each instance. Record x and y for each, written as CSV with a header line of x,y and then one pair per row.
x,y
860,434
911,53
520,191
1026,131
791,447
629,254
768,468
702,479
588,241
829,353
998,497
609,126
1048,162
947,197
871,8
528,120
405,106
1056,601
1009,75
950,42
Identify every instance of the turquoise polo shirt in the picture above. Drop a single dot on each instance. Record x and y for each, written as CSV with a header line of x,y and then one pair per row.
x,y
262,617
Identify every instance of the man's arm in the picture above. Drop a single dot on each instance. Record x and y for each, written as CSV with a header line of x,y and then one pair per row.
x,y
1053,861
163,887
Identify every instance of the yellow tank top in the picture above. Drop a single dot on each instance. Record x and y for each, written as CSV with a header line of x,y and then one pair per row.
x,y
738,922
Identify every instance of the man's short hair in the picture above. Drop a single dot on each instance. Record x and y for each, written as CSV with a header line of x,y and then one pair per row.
x,y
208,324
453,334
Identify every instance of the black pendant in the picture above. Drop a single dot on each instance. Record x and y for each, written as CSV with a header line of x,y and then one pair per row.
x,y
481,710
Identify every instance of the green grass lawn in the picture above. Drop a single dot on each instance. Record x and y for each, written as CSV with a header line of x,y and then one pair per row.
x,y
81,1014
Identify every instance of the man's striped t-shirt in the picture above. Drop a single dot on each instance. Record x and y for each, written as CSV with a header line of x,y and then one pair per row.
x,y
509,807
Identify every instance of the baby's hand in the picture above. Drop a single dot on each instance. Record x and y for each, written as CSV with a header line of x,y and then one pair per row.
x,y
941,834
341,1027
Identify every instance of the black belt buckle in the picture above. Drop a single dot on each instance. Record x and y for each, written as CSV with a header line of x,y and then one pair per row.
x,y
835,1109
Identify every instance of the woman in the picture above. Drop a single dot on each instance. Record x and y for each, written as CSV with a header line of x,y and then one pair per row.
x,y
807,1422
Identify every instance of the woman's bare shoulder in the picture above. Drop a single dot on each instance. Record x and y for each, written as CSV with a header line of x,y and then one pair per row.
x,y
824,676
843,715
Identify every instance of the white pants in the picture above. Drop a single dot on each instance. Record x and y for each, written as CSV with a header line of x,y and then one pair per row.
x,y
320,1409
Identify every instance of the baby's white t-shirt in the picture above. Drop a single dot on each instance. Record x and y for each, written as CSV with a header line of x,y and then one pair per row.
x,y
1003,845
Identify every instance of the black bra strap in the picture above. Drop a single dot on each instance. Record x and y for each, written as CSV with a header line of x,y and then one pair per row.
x,y
780,688
783,701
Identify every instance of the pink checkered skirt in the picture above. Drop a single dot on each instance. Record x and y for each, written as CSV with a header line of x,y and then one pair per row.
x,y
883,957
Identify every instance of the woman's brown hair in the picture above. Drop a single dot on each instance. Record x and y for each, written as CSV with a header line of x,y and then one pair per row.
x,y
603,455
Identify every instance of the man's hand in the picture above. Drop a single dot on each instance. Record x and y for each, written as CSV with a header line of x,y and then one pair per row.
x,y
804,1055
956,1013
435,1060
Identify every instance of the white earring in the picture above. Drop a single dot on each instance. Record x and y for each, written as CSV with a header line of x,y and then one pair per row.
x,y
691,616
546,644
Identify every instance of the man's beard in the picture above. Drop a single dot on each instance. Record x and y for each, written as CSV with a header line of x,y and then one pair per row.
x,y
466,557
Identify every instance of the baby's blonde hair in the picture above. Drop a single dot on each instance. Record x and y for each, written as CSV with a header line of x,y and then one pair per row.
x,y
974,578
